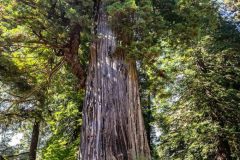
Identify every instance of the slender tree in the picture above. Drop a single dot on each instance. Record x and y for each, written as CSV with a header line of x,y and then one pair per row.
x,y
34,140
11,77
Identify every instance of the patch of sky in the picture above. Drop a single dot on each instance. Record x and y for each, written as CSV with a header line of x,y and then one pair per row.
x,y
228,13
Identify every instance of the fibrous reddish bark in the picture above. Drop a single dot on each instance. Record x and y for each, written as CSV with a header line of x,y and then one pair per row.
x,y
113,127
71,55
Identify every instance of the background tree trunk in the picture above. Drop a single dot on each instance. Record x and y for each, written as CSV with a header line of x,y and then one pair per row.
x,y
113,127
34,140
223,149
1,158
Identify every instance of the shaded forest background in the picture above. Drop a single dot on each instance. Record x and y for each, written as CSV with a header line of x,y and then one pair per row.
x,y
188,62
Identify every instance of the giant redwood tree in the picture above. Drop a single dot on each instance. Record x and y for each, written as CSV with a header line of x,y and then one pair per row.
x,y
180,51
113,126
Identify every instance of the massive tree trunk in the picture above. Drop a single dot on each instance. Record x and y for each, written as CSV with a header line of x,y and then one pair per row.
x,y
34,141
113,127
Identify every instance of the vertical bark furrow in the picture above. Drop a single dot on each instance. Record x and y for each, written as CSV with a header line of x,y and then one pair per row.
x,y
112,112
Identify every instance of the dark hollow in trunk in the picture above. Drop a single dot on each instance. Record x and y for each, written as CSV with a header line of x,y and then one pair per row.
x,y
34,141
113,126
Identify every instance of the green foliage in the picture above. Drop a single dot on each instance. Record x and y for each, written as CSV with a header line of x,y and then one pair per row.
x,y
32,33
64,120
120,7
187,58
59,149
203,100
